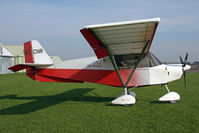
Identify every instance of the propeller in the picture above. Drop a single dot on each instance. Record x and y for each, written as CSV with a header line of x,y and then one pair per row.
x,y
184,63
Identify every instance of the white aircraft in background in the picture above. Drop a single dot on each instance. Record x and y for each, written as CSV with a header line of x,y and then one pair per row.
x,y
123,60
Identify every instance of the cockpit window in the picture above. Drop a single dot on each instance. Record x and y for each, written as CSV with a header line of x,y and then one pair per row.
x,y
126,61
129,61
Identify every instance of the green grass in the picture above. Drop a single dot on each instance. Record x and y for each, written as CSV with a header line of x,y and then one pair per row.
x,y
27,106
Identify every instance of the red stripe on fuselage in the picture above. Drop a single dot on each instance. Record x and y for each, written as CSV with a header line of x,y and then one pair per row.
x,y
55,79
107,77
31,72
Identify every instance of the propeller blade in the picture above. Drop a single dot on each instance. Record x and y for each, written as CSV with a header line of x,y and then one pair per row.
x,y
185,60
185,83
181,61
183,65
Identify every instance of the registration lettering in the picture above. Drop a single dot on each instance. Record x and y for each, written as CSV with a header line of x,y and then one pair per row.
x,y
37,51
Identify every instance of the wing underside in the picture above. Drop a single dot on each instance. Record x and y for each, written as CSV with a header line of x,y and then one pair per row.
x,y
121,38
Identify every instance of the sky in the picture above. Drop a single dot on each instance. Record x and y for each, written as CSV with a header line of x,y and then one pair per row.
x,y
56,24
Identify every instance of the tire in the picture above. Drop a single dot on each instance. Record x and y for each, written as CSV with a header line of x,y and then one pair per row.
x,y
173,101
128,105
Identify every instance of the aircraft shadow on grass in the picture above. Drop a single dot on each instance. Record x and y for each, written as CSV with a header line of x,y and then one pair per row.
x,y
41,102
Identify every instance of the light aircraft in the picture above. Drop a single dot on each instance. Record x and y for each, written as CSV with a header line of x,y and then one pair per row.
x,y
122,59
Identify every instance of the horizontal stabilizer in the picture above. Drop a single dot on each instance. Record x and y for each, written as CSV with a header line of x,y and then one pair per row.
x,y
19,67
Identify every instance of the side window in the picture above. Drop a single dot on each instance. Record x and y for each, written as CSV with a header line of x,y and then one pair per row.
x,y
129,61
126,61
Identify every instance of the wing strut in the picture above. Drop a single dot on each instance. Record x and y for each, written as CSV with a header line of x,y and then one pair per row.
x,y
114,65
131,74
137,62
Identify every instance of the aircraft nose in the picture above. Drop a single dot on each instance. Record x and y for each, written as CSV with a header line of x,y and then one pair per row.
x,y
187,67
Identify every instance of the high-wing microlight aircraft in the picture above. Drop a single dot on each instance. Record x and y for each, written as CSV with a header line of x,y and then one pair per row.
x,y
122,59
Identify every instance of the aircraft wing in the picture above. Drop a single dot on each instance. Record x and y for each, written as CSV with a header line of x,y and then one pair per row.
x,y
121,38
123,42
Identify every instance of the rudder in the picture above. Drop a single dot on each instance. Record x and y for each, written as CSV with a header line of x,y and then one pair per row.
x,y
28,52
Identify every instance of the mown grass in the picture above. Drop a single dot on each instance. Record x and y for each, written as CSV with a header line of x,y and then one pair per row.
x,y
34,107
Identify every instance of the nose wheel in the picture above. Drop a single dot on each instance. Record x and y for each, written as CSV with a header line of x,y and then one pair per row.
x,y
171,97
173,101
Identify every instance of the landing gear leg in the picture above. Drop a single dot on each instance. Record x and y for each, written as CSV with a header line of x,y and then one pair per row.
x,y
167,88
126,91
171,97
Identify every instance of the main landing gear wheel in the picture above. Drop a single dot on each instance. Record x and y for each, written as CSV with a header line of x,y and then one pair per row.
x,y
127,98
128,105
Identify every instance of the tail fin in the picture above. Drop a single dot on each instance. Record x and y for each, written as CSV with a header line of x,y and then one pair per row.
x,y
35,56
35,53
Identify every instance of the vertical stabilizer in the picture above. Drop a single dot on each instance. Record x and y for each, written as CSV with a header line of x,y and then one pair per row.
x,y
35,53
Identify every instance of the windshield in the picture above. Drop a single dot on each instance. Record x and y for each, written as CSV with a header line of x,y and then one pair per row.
x,y
149,61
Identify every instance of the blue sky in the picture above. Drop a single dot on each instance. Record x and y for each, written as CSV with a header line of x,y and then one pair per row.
x,y
56,24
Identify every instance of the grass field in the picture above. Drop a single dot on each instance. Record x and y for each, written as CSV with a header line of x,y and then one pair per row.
x,y
27,106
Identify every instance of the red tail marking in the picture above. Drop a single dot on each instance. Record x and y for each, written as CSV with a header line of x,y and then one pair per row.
x,y
28,52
